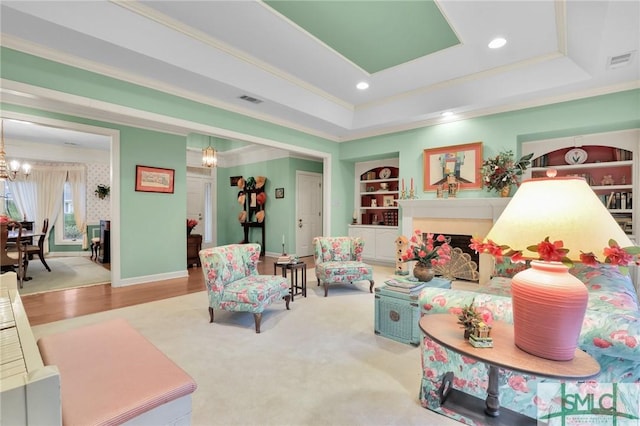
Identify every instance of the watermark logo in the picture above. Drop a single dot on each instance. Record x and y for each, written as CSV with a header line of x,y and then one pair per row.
x,y
590,403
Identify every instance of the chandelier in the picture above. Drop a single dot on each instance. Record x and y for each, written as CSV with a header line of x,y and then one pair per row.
x,y
209,156
10,171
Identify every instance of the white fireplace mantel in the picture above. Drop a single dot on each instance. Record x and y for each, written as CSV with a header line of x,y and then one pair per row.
x,y
452,208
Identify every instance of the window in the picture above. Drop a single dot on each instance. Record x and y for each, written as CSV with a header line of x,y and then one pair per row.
x,y
69,232
208,213
9,205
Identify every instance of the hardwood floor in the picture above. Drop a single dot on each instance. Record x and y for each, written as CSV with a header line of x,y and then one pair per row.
x,y
52,306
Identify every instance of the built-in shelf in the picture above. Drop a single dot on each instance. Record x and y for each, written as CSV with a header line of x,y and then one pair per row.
x,y
377,191
609,163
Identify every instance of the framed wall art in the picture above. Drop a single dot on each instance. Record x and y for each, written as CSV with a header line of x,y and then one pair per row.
x,y
279,192
154,179
460,161
388,201
233,180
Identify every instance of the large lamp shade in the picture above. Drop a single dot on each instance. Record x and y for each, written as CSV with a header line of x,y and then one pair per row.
x,y
548,302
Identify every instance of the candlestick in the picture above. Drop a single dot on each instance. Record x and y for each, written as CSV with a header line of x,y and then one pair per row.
x,y
412,184
282,239
403,184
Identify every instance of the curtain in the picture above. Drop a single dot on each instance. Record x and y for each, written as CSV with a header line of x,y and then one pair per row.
x,y
49,183
23,192
77,180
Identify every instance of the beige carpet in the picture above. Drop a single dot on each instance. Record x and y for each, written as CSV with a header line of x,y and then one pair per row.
x,y
66,272
318,364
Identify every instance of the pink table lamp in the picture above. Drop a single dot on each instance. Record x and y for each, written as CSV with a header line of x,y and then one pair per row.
x,y
548,302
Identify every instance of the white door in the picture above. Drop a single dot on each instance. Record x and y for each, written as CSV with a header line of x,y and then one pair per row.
x,y
200,206
308,211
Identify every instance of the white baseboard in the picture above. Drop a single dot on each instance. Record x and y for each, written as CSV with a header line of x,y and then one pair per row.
x,y
150,278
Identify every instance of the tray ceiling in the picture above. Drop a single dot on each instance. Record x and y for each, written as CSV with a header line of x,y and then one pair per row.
x,y
301,60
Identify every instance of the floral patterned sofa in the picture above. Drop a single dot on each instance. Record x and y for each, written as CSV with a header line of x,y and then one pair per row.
x,y
610,334
339,260
233,283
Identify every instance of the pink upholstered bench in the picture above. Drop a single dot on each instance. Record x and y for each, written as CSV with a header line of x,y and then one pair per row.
x,y
111,374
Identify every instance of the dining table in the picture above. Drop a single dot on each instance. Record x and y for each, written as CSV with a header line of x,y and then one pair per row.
x,y
27,236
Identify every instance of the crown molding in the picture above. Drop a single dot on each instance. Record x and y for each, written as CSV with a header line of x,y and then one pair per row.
x,y
112,72
56,56
550,100
205,38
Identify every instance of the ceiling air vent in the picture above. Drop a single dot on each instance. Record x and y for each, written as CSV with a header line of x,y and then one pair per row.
x,y
620,60
250,99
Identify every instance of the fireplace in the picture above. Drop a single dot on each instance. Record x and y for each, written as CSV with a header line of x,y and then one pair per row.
x,y
464,261
457,216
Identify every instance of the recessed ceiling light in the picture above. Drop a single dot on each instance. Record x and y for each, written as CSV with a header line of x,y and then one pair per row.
x,y
363,85
497,43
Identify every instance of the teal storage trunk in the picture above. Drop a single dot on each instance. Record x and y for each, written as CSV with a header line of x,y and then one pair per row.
x,y
397,313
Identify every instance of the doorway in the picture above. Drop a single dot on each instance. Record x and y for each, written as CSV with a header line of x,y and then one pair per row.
x,y
36,139
308,211
201,195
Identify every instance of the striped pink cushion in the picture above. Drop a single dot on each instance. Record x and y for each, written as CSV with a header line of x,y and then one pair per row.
x,y
110,373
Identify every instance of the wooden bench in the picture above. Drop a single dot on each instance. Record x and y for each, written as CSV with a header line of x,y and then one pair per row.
x,y
29,390
110,374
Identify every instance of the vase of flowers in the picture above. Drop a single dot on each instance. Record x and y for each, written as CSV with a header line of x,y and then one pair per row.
x,y
191,223
501,172
427,250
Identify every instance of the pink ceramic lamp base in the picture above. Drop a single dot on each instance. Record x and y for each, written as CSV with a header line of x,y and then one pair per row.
x,y
548,310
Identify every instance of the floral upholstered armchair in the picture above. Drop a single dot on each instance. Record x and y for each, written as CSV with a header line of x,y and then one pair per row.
x,y
233,282
339,260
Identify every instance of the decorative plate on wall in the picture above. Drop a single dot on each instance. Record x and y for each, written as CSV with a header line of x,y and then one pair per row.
x,y
385,173
576,156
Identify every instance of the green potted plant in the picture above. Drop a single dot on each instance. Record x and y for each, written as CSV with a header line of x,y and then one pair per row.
x,y
102,191
469,318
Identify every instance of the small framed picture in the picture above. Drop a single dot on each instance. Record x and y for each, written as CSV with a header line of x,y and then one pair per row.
x,y
233,180
279,192
154,179
387,201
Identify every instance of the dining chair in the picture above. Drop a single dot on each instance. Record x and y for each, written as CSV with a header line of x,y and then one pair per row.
x,y
31,249
15,260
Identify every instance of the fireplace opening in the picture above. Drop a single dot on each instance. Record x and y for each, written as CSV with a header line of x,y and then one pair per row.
x,y
464,261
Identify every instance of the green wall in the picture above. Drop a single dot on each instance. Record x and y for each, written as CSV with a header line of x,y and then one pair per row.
x,y
499,132
152,229
279,213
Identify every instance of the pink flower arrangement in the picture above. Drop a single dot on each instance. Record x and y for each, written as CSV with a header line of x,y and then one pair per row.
x,y
556,252
426,251
191,223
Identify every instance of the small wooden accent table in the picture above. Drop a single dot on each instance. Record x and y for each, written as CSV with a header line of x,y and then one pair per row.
x,y
194,245
443,329
297,287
